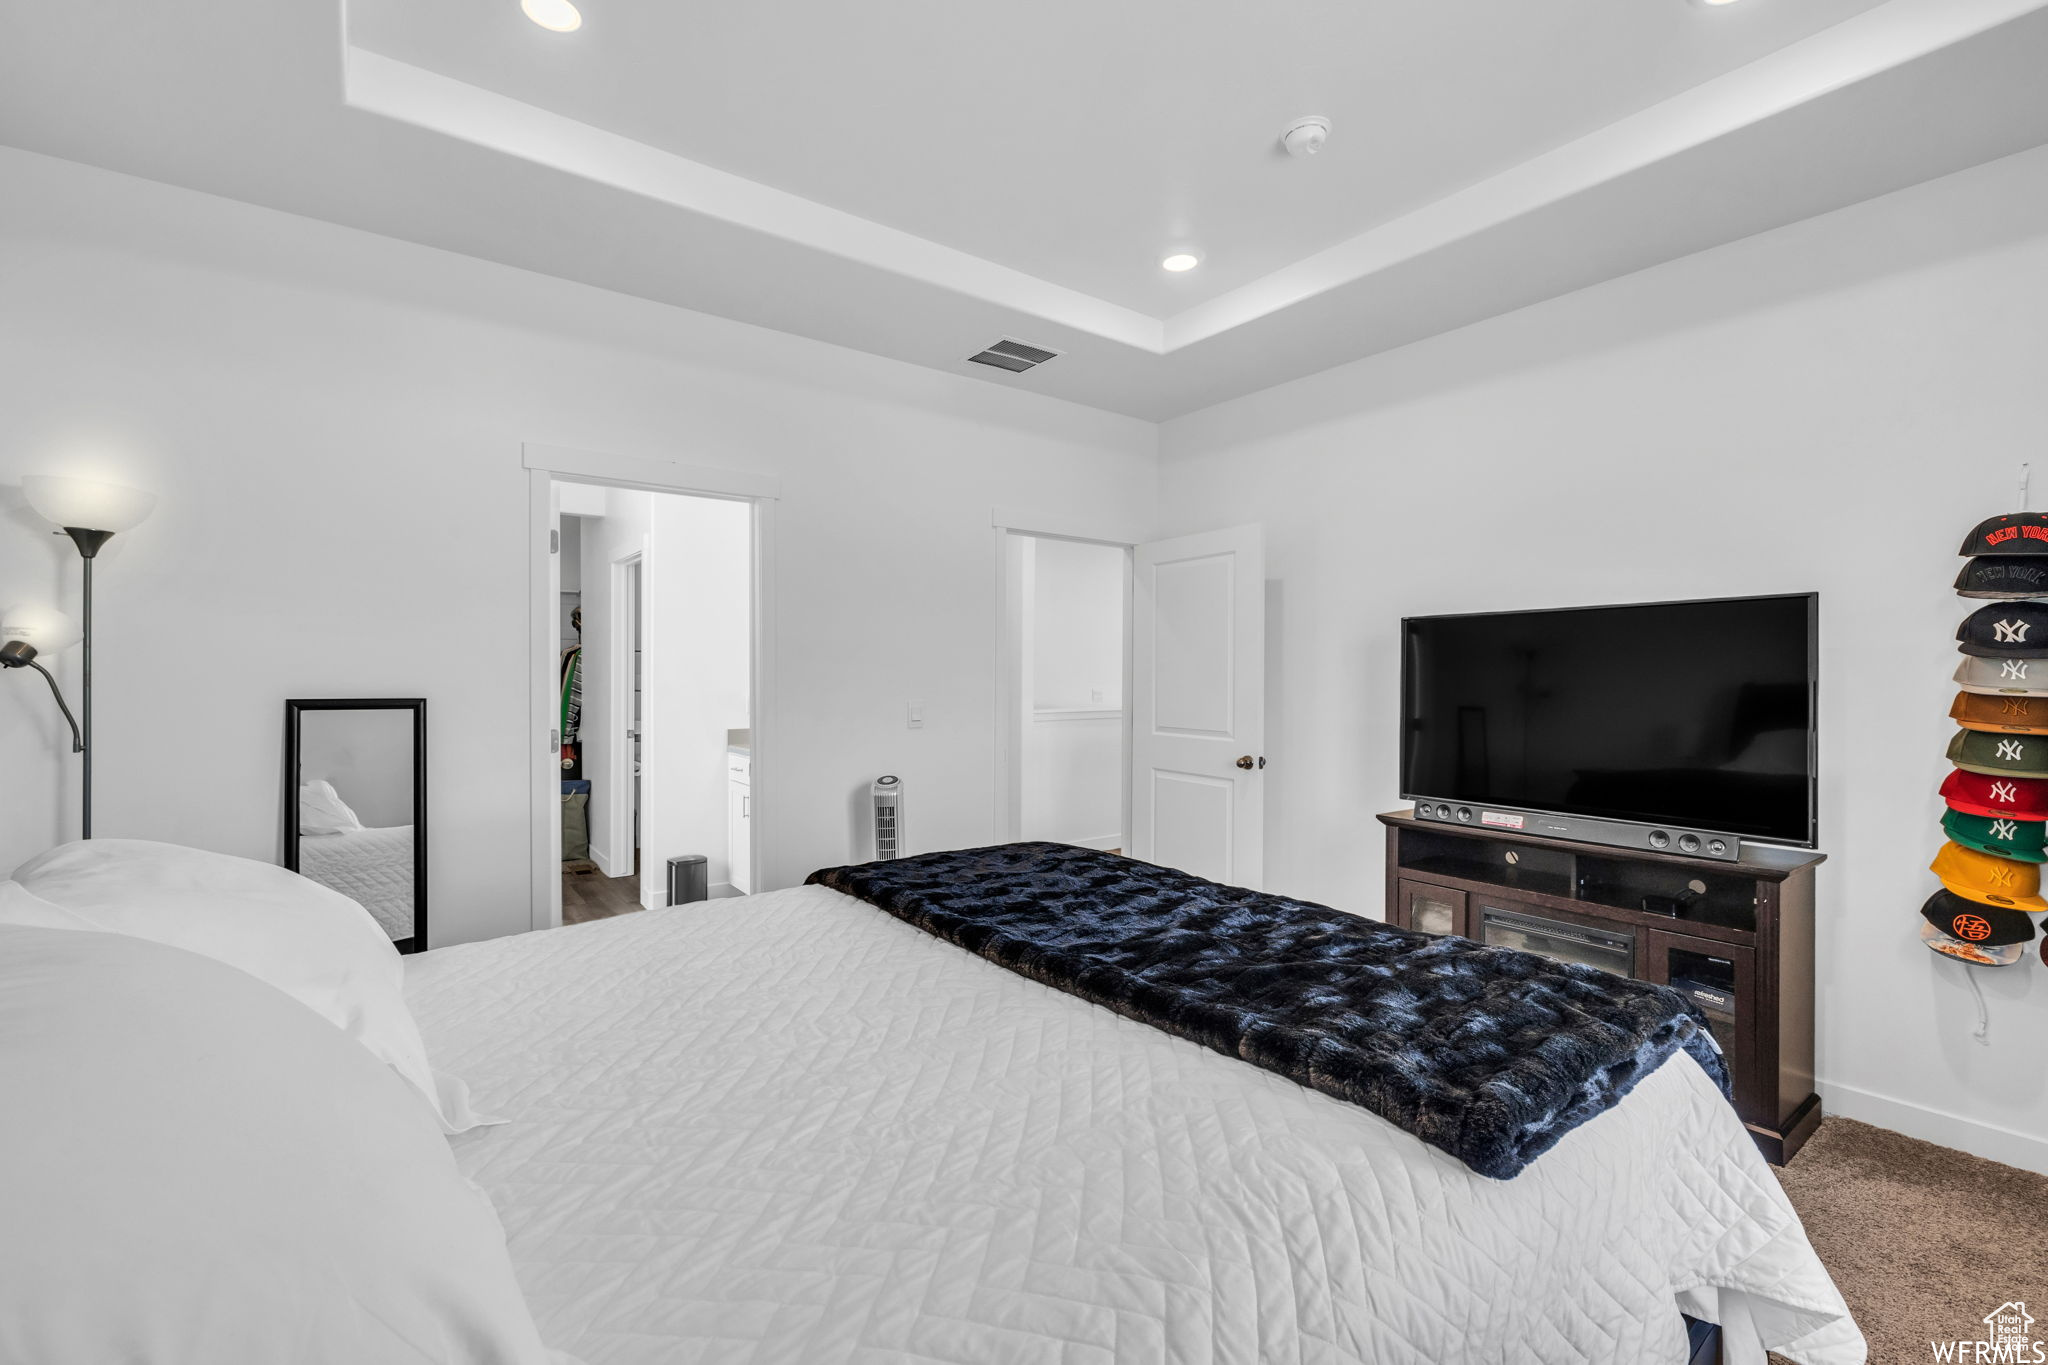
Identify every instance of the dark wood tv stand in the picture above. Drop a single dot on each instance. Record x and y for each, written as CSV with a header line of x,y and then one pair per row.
x,y
1744,932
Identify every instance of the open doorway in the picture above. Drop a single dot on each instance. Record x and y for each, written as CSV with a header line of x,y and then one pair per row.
x,y
1067,627
656,685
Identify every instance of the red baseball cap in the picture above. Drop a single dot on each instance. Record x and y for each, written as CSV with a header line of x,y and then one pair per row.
x,y
2016,798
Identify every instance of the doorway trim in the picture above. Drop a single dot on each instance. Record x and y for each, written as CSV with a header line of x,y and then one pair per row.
x,y
1010,526
625,633
546,464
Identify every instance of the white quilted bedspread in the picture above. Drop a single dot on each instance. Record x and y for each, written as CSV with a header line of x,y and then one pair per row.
x,y
788,1128
372,867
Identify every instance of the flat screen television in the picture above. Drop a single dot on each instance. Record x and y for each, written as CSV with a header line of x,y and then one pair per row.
x,y
1691,714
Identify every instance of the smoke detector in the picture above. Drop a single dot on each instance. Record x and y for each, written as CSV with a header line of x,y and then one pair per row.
x,y
1306,135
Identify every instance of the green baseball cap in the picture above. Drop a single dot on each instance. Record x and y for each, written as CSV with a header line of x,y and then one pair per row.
x,y
1980,751
2024,841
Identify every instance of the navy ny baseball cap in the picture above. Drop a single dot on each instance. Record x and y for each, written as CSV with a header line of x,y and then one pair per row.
x,y
2006,630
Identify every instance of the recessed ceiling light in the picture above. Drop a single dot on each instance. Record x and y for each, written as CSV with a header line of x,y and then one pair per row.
x,y
1180,261
559,15
1712,4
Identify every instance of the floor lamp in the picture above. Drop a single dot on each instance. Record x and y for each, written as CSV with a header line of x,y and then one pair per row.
x,y
26,633
91,513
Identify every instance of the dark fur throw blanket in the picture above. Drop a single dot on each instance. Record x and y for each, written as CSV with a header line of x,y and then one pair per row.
x,y
1489,1054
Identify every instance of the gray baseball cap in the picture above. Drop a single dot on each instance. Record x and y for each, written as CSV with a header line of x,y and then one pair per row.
x,y
2028,677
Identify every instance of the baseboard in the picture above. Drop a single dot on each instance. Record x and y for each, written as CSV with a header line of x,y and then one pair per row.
x,y
604,864
1101,843
1987,1140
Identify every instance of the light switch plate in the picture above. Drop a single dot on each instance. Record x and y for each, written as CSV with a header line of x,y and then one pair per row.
x,y
913,715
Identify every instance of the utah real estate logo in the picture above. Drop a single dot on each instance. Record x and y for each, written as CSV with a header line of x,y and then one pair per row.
x,y
2008,1340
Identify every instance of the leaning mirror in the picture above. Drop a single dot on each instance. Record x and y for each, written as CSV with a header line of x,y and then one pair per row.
x,y
355,773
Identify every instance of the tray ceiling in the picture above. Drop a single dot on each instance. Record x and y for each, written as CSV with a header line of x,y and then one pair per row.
x,y
921,178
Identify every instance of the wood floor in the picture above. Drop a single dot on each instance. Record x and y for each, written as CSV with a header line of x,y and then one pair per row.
x,y
588,894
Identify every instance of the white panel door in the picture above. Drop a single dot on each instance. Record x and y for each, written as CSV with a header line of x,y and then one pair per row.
x,y
1198,704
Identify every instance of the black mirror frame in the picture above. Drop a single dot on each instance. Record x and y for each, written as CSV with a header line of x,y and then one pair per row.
x,y
296,707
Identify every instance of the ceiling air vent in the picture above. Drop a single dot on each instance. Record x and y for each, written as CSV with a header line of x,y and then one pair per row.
x,y
1013,356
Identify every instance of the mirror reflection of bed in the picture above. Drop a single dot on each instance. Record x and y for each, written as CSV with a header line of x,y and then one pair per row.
x,y
356,789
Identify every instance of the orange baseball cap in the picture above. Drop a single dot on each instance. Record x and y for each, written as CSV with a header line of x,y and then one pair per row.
x,y
1989,880
2016,715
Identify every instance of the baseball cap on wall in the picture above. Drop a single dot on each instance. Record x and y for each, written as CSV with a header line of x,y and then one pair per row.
x,y
1984,925
2023,840
1980,751
2014,798
2004,576
2015,533
1987,880
2002,715
1976,954
2011,630
2004,676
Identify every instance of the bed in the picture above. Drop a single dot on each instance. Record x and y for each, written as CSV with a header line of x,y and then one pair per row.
x,y
790,1128
372,867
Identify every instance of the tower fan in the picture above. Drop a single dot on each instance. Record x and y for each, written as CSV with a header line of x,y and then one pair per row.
x,y
887,797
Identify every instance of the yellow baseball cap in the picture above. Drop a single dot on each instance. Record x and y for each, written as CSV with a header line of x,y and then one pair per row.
x,y
1989,880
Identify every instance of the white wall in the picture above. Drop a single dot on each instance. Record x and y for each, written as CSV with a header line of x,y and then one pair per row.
x,y
1072,787
1073,779
1830,406
699,571
333,423
1077,597
572,552
366,756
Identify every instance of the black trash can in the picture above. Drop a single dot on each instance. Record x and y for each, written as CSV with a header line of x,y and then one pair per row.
x,y
688,879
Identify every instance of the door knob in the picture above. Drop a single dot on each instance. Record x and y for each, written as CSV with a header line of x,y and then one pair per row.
x,y
1245,762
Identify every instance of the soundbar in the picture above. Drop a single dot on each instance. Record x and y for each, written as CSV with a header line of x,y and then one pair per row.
x,y
1693,843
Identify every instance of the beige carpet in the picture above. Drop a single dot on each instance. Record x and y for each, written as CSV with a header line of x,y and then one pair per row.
x,y
1923,1241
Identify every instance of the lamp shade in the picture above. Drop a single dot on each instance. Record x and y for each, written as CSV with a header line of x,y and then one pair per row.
x,y
48,629
87,503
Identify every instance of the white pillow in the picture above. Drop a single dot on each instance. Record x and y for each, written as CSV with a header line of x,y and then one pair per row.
x,y
314,944
24,909
322,811
197,1172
